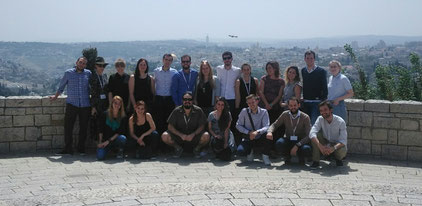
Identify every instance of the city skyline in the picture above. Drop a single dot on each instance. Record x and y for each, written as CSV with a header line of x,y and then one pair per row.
x,y
131,20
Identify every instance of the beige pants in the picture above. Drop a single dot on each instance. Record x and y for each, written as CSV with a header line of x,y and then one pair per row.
x,y
339,154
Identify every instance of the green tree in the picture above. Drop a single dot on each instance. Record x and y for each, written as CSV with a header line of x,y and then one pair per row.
x,y
90,54
385,82
417,75
360,88
404,84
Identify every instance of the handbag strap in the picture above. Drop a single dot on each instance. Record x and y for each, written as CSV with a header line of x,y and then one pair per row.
x,y
250,119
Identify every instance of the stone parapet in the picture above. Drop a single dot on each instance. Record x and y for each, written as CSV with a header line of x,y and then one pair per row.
x,y
385,129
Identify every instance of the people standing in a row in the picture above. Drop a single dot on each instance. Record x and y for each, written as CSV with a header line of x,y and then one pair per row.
x,y
246,85
77,104
142,85
163,104
118,84
207,88
183,81
314,86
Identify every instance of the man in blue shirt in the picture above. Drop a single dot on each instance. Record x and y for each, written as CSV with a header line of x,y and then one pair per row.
x,y
77,104
184,81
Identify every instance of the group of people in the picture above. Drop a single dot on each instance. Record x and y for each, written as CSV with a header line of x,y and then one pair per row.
x,y
230,112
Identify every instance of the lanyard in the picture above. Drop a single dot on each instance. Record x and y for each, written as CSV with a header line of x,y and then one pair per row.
x,y
248,89
291,121
101,81
187,81
186,120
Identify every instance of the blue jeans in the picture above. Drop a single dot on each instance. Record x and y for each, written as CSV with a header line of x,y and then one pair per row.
x,y
119,142
312,109
284,146
340,110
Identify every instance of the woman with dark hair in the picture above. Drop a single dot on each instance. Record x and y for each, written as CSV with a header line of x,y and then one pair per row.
x,y
271,90
219,120
207,88
142,131
245,86
112,129
141,84
293,85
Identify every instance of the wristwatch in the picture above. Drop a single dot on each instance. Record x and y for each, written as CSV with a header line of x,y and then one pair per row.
x,y
298,144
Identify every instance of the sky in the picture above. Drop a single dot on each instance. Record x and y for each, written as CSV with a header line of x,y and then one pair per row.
x,y
141,20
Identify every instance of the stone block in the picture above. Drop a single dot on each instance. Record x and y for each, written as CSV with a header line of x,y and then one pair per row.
x,y
45,144
392,137
366,133
6,121
27,120
57,119
415,153
359,146
47,137
2,101
53,110
408,116
23,101
23,147
411,107
410,138
33,110
394,152
382,114
1,111
48,130
376,149
61,101
354,133
360,119
42,120
379,142
388,123
14,111
379,134
409,124
377,106
32,133
57,141
12,134
4,147
354,104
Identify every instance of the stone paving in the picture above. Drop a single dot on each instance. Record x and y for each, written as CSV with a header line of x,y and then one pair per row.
x,y
45,179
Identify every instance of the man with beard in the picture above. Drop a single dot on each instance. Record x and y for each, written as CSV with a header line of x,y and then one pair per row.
x,y
298,125
186,128
183,81
334,139
77,104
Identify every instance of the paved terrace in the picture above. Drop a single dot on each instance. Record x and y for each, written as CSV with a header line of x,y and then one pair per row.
x,y
45,179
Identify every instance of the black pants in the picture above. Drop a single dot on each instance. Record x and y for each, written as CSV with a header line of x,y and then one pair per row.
x,y
219,150
150,149
69,121
163,107
246,145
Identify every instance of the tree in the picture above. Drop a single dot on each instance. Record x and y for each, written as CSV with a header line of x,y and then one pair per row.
x,y
417,75
361,89
385,82
404,84
90,54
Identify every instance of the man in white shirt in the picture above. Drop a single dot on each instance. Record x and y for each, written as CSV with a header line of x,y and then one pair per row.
x,y
227,74
334,138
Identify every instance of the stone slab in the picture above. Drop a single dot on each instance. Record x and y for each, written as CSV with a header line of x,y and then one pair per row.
x,y
410,138
411,107
14,111
42,120
354,133
387,123
359,146
12,134
27,120
6,121
33,110
4,147
32,133
23,147
377,106
354,104
60,101
360,118
409,124
394,152
23,101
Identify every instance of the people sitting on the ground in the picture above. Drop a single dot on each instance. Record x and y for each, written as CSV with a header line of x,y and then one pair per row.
x,y
222,139
297,125
253,123
186,128
112,129
333,140
142,131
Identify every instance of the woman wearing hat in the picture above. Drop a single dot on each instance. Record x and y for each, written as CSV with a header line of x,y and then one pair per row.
x,y
98,91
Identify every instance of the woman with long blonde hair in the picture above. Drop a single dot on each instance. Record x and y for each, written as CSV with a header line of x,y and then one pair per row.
x,y
207,88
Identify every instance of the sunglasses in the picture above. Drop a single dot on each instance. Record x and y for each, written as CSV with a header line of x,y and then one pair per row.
x,y
187,99
185,61
101,65
227,58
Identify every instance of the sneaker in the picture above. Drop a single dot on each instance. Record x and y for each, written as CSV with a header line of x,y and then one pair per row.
x,y
315,165
119,154
137,154
339,163
197,152
301,160
287,161
178,152
81,152
266,160
250,156
64,152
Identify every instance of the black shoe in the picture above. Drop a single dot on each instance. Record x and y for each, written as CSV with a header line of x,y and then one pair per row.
x,y
301,161
287,161
64,152
339,163
82,152
315,165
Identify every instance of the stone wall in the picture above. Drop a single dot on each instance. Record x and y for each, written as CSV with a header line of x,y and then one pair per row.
x,y
391,130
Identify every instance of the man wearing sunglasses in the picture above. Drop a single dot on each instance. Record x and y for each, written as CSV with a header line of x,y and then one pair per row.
x,y
183,81
186,128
